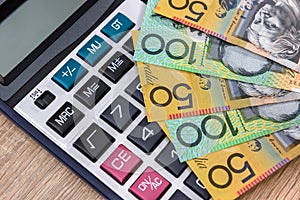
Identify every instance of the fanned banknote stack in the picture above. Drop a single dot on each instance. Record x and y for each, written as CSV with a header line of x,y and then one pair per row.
x,y
222,80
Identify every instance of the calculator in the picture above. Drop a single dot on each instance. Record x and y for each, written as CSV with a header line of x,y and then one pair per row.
x,y
68,79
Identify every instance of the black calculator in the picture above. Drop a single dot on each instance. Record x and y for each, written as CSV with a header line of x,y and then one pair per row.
x,y
68,79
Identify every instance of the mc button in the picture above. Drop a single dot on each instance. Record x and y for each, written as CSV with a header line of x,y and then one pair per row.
x,y
65,119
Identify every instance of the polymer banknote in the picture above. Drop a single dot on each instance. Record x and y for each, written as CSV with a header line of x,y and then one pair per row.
x,y
270,28
171,94
200,135
229,173
170,44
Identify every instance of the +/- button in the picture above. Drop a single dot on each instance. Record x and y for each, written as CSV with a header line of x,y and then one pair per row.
x,y
69,74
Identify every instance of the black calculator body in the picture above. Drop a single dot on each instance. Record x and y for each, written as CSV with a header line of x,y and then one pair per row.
x,y
68,79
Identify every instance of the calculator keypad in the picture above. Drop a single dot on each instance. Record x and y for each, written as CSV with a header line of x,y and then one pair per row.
x,y
95,94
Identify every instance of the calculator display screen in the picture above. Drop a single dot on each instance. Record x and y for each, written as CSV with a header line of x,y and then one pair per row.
x,y
30,24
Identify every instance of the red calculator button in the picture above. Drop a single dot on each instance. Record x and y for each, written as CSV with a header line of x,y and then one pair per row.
x,y
121,164
150,185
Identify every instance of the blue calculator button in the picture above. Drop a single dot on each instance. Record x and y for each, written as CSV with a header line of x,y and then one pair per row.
x,y
117,27
94,50
69,74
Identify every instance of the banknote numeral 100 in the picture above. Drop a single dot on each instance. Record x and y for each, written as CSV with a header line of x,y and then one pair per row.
x,y
193,8
228,170
203,125
169,94
163,45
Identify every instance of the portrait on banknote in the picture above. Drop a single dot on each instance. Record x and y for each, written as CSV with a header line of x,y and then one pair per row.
x,y
279,112
241,61
240,90
271,25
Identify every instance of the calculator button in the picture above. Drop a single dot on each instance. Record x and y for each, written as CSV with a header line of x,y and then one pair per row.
x,y
95,49
121,164
150,185
93,142
92,92
120,114
178,195
128,46
69,74
194,184
146,135
116,67
44,100
65,119
169,160
135,90
117,27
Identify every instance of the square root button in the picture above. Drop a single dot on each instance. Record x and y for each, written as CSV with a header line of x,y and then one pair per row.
x,y
121,164
150,185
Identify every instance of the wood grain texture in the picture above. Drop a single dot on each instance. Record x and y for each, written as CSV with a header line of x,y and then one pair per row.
x,y
27,171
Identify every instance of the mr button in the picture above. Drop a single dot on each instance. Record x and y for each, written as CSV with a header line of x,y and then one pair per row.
x,y
65,119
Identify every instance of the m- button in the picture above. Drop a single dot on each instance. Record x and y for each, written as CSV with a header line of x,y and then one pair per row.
x,y
65,119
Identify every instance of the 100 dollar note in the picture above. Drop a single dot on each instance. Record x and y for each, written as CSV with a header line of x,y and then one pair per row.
x,y
200,135
171,94
270,28
166,43
229,173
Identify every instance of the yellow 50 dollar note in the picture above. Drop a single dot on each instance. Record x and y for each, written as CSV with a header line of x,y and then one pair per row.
x,y
270,28
231,172
171,94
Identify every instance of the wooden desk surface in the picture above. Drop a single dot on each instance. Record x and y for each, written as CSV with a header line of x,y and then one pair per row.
x,y
27,171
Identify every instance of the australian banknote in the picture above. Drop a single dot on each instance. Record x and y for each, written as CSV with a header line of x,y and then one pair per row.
x,y
170,93
167,43
229,173
200,135
270,28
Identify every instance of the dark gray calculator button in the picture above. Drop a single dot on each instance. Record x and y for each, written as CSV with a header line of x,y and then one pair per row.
x,y
128,46
169,160
65,119
178,195
120,114
194,184
146,135
44,100
92,92
135,90
93,142
116,67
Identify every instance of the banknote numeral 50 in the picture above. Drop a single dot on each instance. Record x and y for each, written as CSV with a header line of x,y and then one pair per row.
x,y
203,128
193,7
171,94
228,170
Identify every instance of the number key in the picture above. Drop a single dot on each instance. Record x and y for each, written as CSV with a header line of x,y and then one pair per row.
x,y
120,114
146,136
